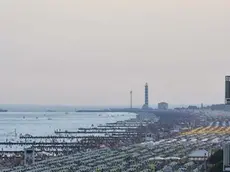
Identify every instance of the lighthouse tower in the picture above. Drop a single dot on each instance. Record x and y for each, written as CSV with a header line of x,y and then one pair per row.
x,y
146,105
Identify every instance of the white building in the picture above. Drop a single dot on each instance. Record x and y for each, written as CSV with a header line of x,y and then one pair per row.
x,y
199,155
163,106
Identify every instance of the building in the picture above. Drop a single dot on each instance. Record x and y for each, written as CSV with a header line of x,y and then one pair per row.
x,y
226,158
163,106
227,90
199,155
191,107
29,156
146,105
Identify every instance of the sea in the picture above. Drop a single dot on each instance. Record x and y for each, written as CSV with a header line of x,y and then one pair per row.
x,y
12,124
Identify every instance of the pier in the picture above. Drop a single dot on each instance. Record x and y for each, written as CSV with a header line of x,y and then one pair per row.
x,y
95,132
64,142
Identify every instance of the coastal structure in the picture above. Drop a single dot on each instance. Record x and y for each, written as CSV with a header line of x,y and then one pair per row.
x,y
146,105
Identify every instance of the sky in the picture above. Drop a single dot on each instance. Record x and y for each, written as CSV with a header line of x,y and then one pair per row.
x,y
94,52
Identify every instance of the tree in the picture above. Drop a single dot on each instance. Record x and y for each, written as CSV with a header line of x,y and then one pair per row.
x,y
216,157
217,168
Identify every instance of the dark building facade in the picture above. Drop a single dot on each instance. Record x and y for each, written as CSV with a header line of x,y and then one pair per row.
x,y
227,90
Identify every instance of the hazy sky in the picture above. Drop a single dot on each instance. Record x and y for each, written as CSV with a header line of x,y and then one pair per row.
x,y
92,52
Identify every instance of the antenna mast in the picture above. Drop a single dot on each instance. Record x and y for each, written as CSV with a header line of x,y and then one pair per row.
x,y
131,99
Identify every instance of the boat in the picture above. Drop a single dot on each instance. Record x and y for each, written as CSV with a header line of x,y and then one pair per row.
x,y
50,110
49,118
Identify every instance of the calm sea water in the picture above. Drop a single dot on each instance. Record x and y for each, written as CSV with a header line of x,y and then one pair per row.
x,y
43,123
